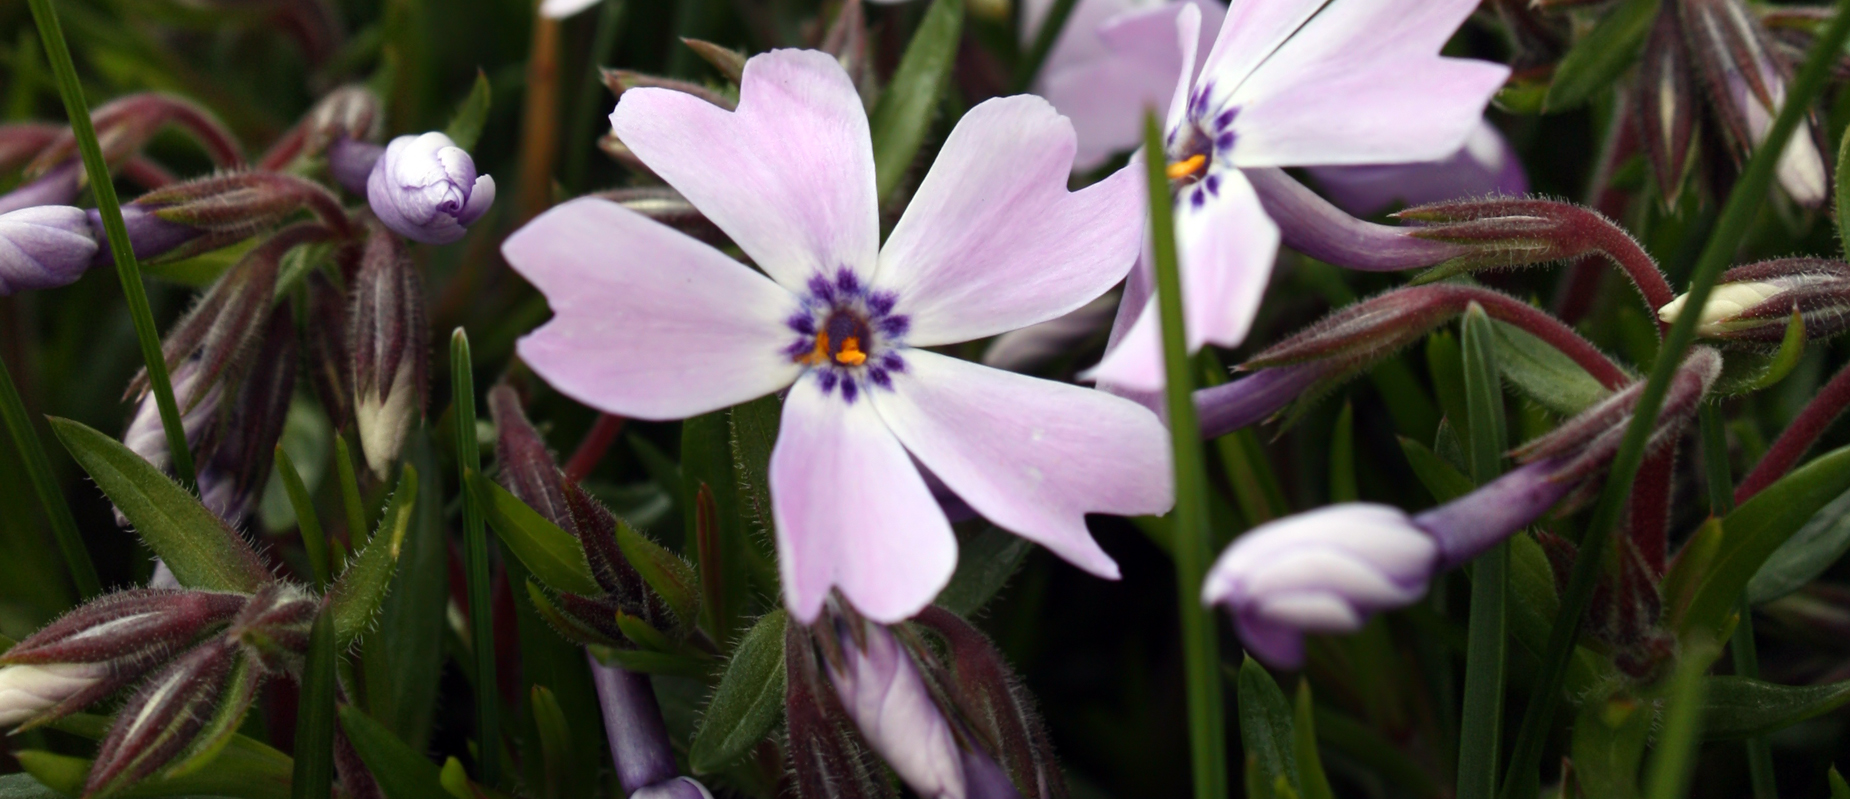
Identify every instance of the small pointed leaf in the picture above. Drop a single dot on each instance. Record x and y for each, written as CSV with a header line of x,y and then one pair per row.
x,y
663,570
552,554
1738,707
748,701
466,127
354,599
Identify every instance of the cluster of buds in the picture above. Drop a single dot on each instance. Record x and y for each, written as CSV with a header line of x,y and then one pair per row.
x,y
1755,303
962,730
1328,570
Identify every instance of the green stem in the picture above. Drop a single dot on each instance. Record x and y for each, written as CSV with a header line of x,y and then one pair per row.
x,y
1044,39
111,210
38,470
1746,657
1667,776
1730,228
1201,650
313,773
1487,652
475,563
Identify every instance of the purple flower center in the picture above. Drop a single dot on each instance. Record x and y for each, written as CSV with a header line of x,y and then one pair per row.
x,y
1204,139
848,334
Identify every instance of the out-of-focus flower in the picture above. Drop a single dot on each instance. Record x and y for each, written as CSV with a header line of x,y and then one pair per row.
x,y
149,236
425,188
1486,166
1291,83
391,351
1328,570
198,410
1755,302
560,9
44,247
59,186
28,691
651,324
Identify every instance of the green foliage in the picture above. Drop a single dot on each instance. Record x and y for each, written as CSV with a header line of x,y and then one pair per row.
x,y
749,700
355,598
902,118
1598,57
466,127
552,554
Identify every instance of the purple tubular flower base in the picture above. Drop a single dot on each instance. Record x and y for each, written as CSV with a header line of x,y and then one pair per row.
x,y
1468,526
1311,225
1254,398
633,723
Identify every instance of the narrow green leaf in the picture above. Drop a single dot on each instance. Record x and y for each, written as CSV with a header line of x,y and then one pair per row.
x,y
664,571
754,434
51,499
565,624
314,727
314,542
1667,775
475,560
1444,361
402,772
350,498
1265,727
1315,785
642,634
354,599
1839,789
201,550
243,767
722,556
1442,479
466,127
748,701
1841,197
1607,745
552,554
902,116
1791,349
1738,707
985,562
1598,57
1342,457
1757,529
1808,553
407,645
555,736
1487,642
1542,373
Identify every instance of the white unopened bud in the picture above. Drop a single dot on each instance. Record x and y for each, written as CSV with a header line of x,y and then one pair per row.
x,y
385,422
1727,301
28,690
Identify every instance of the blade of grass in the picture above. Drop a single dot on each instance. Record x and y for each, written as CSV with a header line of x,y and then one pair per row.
x,y
314,542
1730,229
475,564
1487,645
1667,775
603,41
1201,649
314,729
38,470
1741,646
110,208
349,498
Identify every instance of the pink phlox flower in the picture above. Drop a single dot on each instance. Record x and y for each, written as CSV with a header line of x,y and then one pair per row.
x,y
652,324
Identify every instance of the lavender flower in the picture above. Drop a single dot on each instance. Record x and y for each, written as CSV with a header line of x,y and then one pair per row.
x,y
58,186
1327,570
44,247
652,324
149,236
1291,83
425,188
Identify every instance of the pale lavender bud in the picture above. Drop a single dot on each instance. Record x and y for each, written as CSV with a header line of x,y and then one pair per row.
x,y
1328,570
27,692
59,186
44,247
425,188
351,162
1755,302
144,435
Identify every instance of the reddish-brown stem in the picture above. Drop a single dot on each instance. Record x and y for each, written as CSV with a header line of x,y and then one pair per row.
x,y
1616,244
284,150
591,449
1798,437
1538,323
146,174
539,140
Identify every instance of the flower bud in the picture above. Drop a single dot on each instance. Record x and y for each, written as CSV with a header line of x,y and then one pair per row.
x,y
161,720
677,788
351,162
225,209
28,692
826,758
639,746
328,361
992,699
44,247
1586,444
1328,570
57,186
352,112
391,349
1505,232
1666,110
1734,54
426,189
199,410
1755,302
149,236
20,141
274,626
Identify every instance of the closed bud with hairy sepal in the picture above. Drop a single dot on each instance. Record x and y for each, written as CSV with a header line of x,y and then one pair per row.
x,y
91,651
44,247
1755,303
224,209
352,112
1510,232
232,478
1586,443
327,360
992,699
1747,85
124,125
162,719
391,349
1626,608
827,758
1666,110
274,626
200,404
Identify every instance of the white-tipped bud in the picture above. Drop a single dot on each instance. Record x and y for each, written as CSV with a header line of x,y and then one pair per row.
x,y
385,421
29,690
1727,301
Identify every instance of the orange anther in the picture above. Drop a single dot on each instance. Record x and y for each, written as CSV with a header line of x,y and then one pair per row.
x,y
1185,168
851,353
818,355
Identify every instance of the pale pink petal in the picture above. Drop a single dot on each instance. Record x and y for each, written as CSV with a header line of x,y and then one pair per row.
x,y
1033,456
993,241
1079,40
1249,34
1227,245
1188,43
1131,65
647,322
1362,83
852,511
789,176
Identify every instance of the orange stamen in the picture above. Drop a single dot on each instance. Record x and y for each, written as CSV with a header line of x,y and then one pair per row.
x,y
1186,168
820,354
851,353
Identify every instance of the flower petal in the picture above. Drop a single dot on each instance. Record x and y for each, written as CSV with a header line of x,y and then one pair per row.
x,y
1033,456
1227,245
852,511
993,241
648,323
1249,34
789,176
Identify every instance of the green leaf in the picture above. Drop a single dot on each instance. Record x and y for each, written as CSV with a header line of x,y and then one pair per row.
x,y
314,542
555,736
642,634
243,768
1597,58
314,728
1543,374
25,786
402,772
466,127
407,645
721,553
754,434
985,562
646,662
349,495
1487,639
565,624
1679,738
1442,479
1445,361
902,117
552,554
1838,198
748,701
1608,742
1804,556
664,571
1342,457
1839,789
1757,529
1738,707
1265,731
1304,744
354,599
201,550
